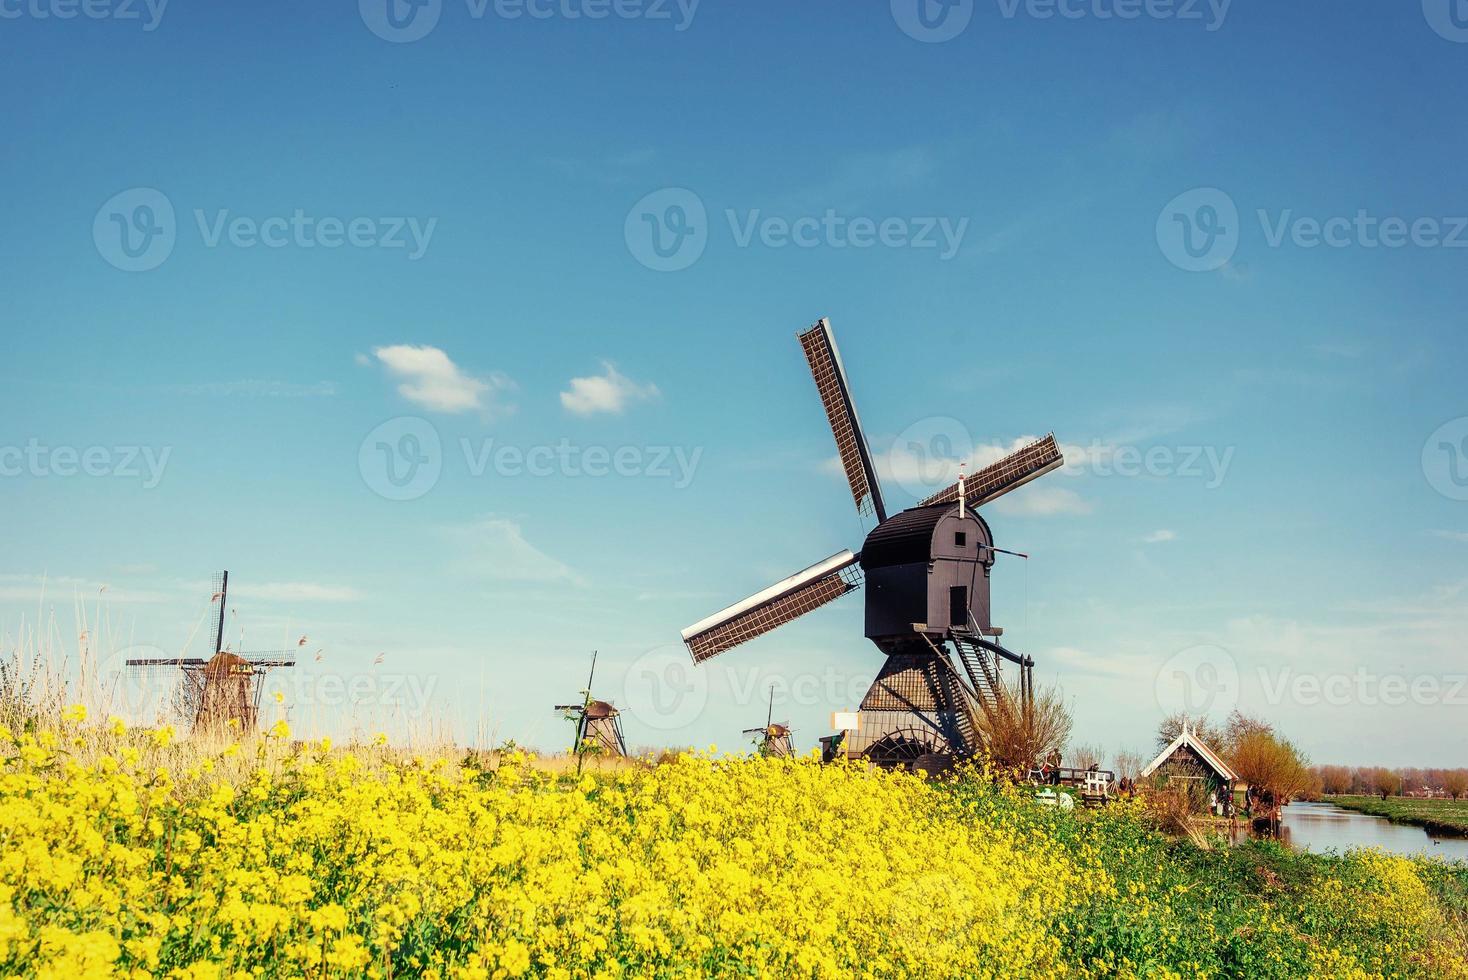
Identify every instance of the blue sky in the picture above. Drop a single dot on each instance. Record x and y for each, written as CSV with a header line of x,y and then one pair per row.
x,y
1129,206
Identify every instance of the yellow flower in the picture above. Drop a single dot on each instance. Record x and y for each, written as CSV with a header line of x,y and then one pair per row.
x,y
515,959
75,713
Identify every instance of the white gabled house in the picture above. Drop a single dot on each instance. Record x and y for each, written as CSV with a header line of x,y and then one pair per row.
x,y
1188,758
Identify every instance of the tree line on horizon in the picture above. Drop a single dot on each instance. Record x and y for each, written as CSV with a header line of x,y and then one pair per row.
x,y
1383,781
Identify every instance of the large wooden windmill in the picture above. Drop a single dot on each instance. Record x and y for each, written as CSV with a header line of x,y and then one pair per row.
x,y
221,694
927,572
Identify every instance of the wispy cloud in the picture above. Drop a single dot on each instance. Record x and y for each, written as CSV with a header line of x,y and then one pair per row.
x,y
1036,500
496,549
1351,349
259,388
856,177
432,380
607,393
39,588
294,592
1159,536
1459,536
921,474
613,169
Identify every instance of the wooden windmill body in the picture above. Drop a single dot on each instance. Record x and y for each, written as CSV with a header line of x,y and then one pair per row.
x,y
598,723
221,694
927,571
773,738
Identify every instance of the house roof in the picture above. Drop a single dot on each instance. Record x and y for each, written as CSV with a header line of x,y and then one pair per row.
x,y
1188,738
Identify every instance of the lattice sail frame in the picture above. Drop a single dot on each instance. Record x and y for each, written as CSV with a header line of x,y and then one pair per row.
x,y
762,612
819,344
1009,473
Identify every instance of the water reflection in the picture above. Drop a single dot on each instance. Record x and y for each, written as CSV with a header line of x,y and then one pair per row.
x,y
1322,827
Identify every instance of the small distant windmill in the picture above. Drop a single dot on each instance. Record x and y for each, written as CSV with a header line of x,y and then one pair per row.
x,y
774,739
598,724
222,692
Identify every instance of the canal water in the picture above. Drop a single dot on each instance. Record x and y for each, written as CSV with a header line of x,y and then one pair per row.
x,y
1322,827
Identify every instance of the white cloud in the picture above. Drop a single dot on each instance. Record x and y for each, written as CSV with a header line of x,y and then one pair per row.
x,y
1159,536
433,381
907,468
498,550
609,392
1035,500
1459,536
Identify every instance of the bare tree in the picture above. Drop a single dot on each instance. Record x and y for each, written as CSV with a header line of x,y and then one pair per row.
x,y
1171,727
1083,755
1237,727
1273,767
1129,764
1385,782
1335,780
1019,738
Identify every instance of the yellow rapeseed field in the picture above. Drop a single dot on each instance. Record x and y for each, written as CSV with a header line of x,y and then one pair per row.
x,y
126,852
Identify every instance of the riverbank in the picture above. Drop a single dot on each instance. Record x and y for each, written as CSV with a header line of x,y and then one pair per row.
x,y
1443,818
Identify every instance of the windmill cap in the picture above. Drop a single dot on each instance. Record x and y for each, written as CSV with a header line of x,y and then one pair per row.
x,y
600,709
225,662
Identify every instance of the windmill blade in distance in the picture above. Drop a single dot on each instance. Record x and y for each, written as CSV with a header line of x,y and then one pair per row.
x,y
819,344
1010,473
219,598
782,602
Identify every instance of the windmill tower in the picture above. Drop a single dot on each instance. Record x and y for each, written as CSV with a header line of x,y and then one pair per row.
x,y
927,569
598,724
774,738
222,693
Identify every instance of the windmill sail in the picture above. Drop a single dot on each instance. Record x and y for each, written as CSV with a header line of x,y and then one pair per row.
x,y
1010,473
219,599
782,602
819,344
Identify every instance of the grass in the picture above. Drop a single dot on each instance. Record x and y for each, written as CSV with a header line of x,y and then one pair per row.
x,y
1257,909
1444,818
